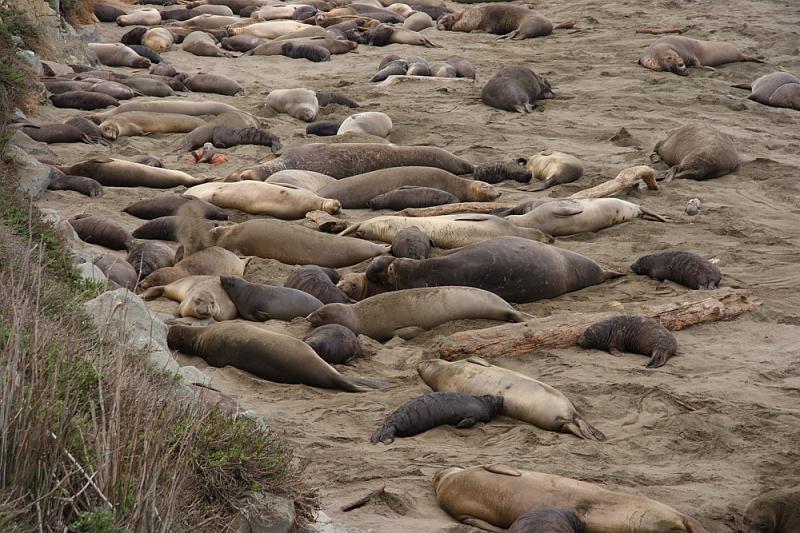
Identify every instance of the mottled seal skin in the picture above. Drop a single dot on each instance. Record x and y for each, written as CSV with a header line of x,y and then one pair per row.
x,y
335,344
418,66
548,521
83,100
635,334
515,88
696,152
358,286
258,302
327,98
118,271
319,282
147,257
411,243
777,511
81,184
147,52
675,53
323,128
168,205
411,196
507,20
314,53
162,229
686,268
497,171
437,409
777,89
224,137
102,231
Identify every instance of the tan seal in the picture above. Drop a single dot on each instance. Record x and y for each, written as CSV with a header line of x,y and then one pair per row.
x,y
200,297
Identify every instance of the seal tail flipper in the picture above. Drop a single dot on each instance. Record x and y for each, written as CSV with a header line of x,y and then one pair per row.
x,y
480,524
667,175
745,86
366,385
385,435
611,274
692,525
191,229
753,59
647,213
568,25
351,229
536,186
583,429
152,292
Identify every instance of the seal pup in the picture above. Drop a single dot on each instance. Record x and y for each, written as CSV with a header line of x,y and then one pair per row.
x,y
312,52
370,122
411,196
358,286
493,496
169,204
675,53
777,89
140,17
202,44
301,104
553,168
118,271
407,313
685,268
507,20
635,334
85,100
515,88
524,398
497,171
147,257
257,302
335,344
265,354
464,67
102,231
696,152
437,409
548,521
200,297
81,184
777,511
319,282
411,243
323,128
107,12
118,55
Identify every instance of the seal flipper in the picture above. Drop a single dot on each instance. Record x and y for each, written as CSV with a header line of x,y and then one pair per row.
x,y
583,429
152,292
480,524
479,361
534,187
504,470
385,435
466,423
692,525
668,175
408,332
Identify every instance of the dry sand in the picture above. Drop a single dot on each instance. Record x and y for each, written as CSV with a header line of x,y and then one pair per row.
x,y
742,376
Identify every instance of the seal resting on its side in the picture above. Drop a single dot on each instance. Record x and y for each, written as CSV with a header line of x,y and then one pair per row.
x,y
696,152
258,302
119,173
548,521
102,231
411,196
778,89
554,168
686,268
675,53
635,334
169,204
199,296
510,21
773,512
516,88
335,344
319,282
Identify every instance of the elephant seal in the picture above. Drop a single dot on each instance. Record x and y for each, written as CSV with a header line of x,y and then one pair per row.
x,y
116,89
548,521
102,231
696,152
383,34
147,257
146,52
443,69
464,68
349,159
88,128
261,198
242,43
445,231
213,261
213,83
406,313
418,66
494,496
323,128
162,69
493,265
159,39
437,409
258,302
55,133
136,123
497,171
107,12
223,137
162,229
312,52
149,87
118,55
336,344
301,104
270,29
202,44
140,17
554,168
370,122
168,204
778,89
81,184
411,243
524,398
319,282
200,297
180,107
635,334
358,286
271,356
418,21
301,179
85,100
148,160
515,88
686,268
675,53
119,173
118,271
356,192
397,67
777,511
306,47
568,217
507,20
410,196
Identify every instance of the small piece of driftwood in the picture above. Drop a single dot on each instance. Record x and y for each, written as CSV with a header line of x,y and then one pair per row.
x,y
402,78
361,502
625,180
325,222
450,209
662,31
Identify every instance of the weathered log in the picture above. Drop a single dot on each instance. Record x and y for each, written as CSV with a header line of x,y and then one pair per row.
x,y
450,209
661,31
562,331
325,222
627,179
402,78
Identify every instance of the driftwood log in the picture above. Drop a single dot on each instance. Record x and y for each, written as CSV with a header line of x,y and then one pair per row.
x,y
325,222
394,79
662,31
562,331
627,179
450,209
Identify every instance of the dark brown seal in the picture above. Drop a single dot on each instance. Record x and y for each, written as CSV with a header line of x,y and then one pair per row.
x,y
102,231
147,257
335,344
107,12
55,133
548,521
696,152
258,302
81,184
224,137
213,83
83,100
148,160
675,53
314,53
777,511
515,88
411,243
319,282
327,98
324,128
163,229
412,196
437,409
146,52
88,128
508,20
118,271
497,171
685,268
635,334
168,204
133,36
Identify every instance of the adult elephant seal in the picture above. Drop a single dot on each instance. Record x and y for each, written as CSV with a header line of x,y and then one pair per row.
x,y
202,44
301,179
348,159
686,268
200,297
301,104
494,496
118,55
696,152
773,512
258,302
370,122
55,133
181,107
635,334
411,243
140,17
778,89
407,313
319,282
524,398
568,217
271,356
356,192
242,43
336,344
147,257
102,231
213,261
494,265
162,229
437,409
515,88
554,168
445,231
118,173
168,205
418,21
159,39
410,196
213,83
136,123
548,521
507,20
261,198
85,100
675,53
